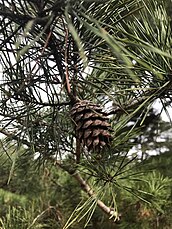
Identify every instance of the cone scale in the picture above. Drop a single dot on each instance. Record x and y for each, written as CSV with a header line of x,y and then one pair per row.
x,y
91,125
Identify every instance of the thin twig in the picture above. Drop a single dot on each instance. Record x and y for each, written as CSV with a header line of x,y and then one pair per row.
x,y
66,61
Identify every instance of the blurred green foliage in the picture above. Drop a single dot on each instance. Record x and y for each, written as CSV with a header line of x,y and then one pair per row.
x,y
50,195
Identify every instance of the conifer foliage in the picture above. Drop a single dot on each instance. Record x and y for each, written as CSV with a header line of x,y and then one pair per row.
x,y
79,75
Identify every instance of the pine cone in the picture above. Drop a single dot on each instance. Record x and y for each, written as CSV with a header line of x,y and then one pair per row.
x,y
91,125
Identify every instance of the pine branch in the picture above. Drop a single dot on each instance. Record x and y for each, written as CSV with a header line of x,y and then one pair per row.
x,y
86,188
17,18
52,43
14,137
148,96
